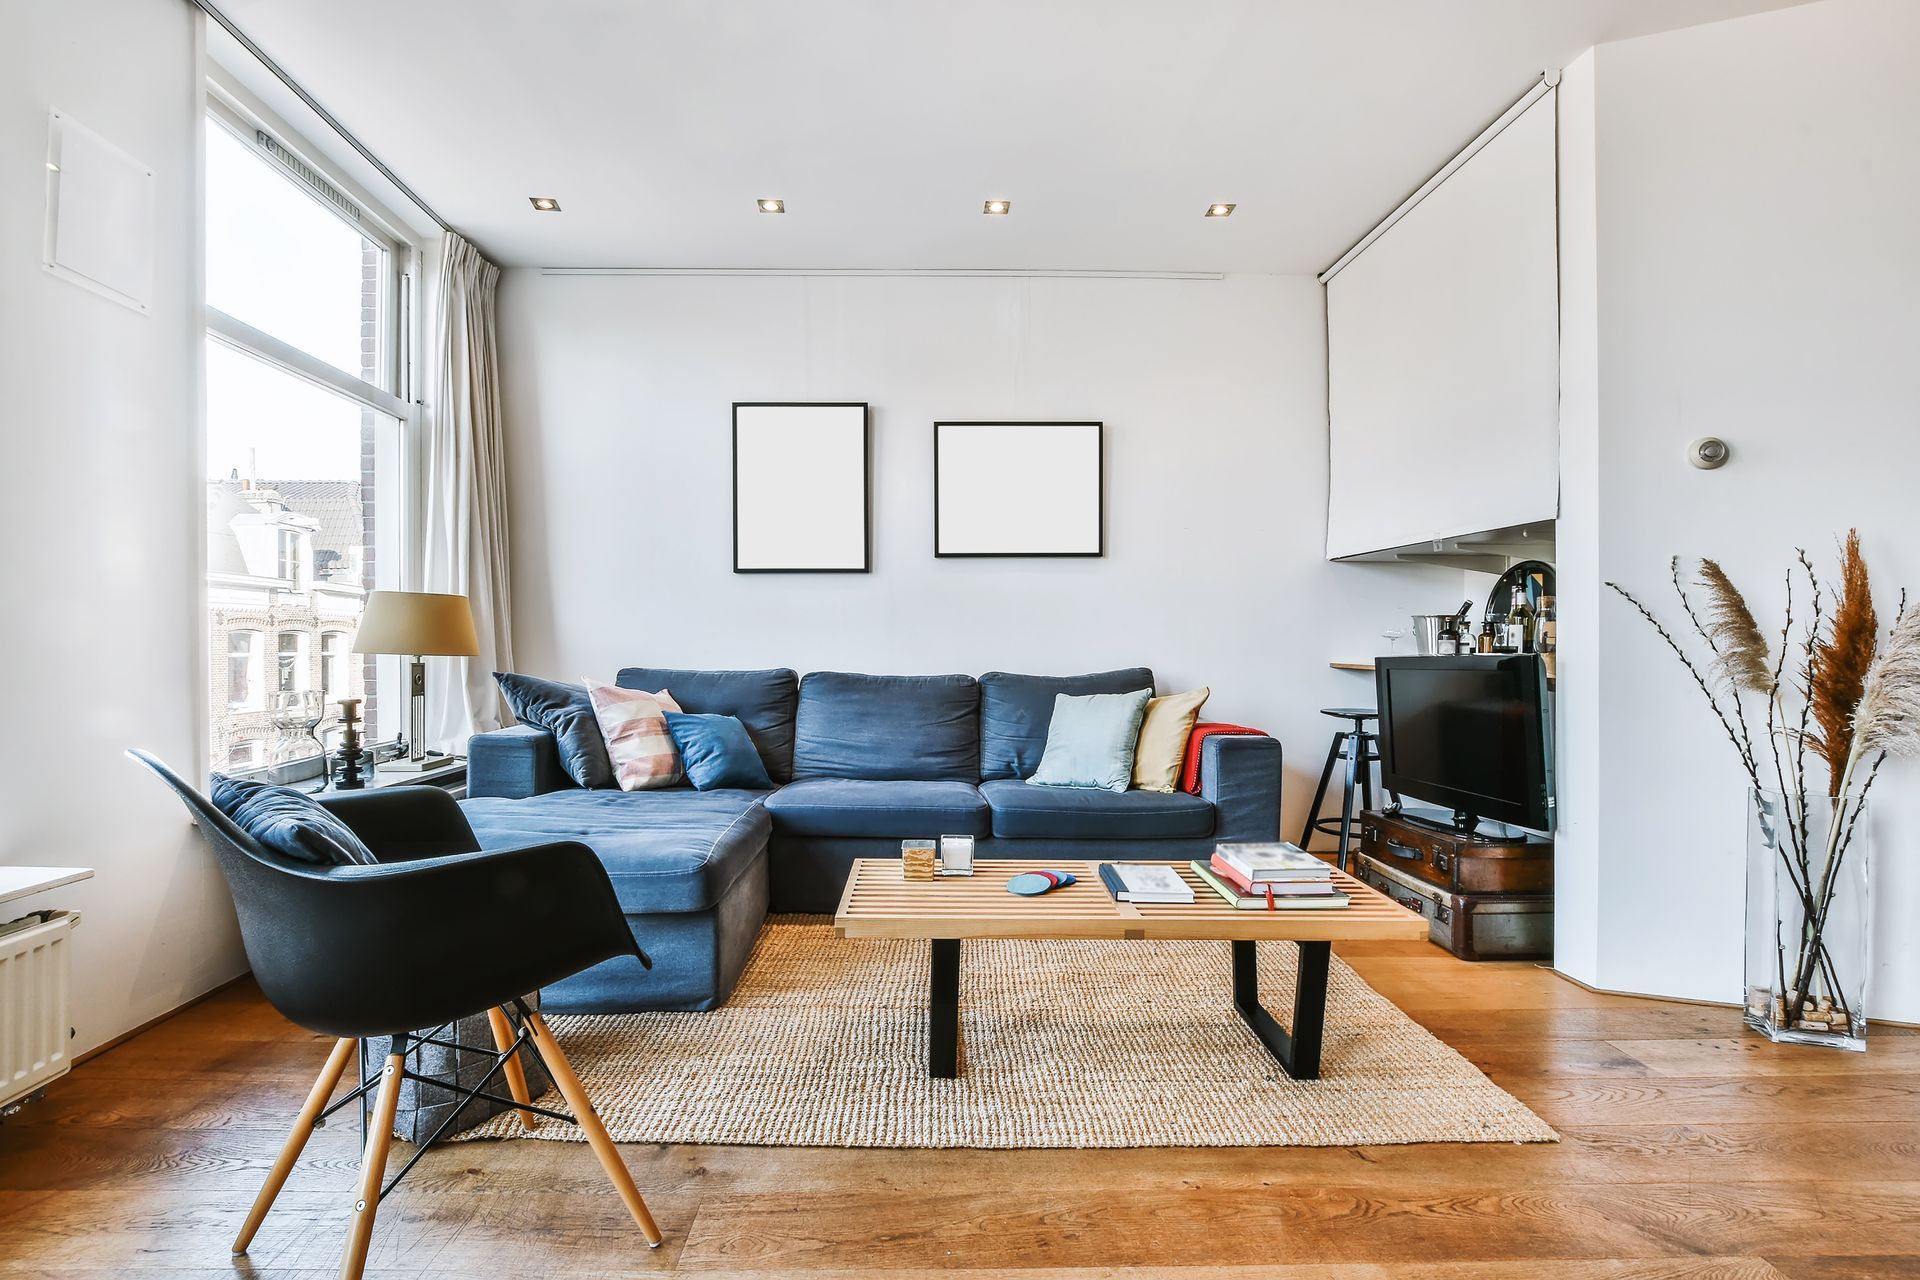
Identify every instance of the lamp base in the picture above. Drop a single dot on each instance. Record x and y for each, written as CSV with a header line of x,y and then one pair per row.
x,y
404,765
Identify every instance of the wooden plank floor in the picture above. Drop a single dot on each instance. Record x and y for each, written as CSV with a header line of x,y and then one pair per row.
x,y
1690,1151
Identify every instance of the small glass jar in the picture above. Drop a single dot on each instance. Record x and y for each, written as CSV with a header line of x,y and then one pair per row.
x,y
918,859
956,855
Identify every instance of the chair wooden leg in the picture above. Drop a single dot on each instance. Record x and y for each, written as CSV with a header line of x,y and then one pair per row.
x,y
303,1124
589,1120
373,1170
515,1073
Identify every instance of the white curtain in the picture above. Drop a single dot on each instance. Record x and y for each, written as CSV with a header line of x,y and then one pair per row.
x,y
465,521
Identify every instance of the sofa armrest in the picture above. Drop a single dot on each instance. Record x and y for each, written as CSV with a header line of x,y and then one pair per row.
x,y
1240,775
514,763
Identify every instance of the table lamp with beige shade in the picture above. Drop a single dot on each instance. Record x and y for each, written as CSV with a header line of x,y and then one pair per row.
x,y
418,625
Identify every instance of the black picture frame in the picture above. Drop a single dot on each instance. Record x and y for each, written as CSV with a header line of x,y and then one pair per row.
x,y
866,484
1100,491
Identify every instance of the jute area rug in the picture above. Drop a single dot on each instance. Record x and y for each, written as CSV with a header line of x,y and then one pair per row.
x,y
1063,1044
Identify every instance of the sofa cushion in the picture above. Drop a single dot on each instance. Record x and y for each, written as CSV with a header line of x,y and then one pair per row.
x,y
675,850
1016,710
761,700
865,807
1021,811
888,727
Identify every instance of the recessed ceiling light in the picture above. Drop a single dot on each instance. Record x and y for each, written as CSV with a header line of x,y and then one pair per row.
x,y
545,204
997,206
1219,211
772,206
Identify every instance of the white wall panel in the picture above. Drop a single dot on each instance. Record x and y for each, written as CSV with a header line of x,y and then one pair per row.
x,y
1443,370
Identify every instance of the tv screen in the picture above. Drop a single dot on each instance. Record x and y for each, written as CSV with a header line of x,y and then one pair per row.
x,y
1469,734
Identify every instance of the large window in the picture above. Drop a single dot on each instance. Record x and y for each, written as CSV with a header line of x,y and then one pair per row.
x,y
306,382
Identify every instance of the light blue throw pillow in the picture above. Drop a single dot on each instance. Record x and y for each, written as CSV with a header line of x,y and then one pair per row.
x,y
717,753
1092,740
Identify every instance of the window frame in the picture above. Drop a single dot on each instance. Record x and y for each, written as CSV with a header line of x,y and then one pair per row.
x,y
389,396
227,104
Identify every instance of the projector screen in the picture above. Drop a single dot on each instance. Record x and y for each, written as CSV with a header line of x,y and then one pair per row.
x,y
1443,381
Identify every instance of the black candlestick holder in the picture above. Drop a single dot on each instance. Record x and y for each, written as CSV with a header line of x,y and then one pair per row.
x,y
346,769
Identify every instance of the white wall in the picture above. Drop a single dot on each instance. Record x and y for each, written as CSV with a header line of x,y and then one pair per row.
x,y
1757,275
1577,666
618,395
100,502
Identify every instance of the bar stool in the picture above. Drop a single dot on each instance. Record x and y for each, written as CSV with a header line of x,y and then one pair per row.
x,y
1360,748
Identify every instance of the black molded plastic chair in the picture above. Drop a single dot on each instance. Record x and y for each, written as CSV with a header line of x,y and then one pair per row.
x,y
438,931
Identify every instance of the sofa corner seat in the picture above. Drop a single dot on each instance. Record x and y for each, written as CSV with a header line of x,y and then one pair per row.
x,y
861,762
689,869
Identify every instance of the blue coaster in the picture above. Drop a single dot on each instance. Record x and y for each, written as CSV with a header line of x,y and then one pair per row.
x,y
1031,884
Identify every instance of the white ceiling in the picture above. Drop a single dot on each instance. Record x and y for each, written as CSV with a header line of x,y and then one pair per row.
x,y
884,124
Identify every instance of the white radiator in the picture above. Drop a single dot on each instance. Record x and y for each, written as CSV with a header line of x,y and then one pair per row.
x,y
34,1004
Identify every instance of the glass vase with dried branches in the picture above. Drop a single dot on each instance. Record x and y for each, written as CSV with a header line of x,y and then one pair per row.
x,y
1833,691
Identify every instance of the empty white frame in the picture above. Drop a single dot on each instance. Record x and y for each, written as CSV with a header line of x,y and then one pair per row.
x,y
1018,489
800,489
100,215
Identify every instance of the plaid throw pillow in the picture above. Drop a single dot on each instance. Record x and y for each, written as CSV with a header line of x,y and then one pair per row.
x,y
634,724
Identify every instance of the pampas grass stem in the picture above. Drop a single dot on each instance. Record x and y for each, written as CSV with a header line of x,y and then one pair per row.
x,y
1837,675
1739,645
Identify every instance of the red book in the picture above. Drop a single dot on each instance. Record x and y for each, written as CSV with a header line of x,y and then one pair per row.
x,y
1280,888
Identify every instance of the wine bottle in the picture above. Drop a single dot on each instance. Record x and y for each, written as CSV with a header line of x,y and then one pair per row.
x,y
1525,619
1506,633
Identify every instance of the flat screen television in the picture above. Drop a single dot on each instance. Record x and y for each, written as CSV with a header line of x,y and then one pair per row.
x,y
1470,734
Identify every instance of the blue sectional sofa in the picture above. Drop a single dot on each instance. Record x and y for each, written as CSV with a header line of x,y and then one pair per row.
x,y
859,763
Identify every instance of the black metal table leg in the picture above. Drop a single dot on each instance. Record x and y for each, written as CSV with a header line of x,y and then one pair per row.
x,y
943,1010
1299,1050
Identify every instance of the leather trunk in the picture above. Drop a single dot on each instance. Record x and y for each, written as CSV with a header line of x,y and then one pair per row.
x,y
1451,861
1471,926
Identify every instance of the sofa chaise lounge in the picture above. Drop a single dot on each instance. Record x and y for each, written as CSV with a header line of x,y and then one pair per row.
x,y
859,763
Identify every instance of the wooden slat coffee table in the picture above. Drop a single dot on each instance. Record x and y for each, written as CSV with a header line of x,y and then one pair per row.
x,y
879,902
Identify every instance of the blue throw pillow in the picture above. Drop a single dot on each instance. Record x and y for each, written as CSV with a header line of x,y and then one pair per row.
x,y
717,752
563,711
290,823
1091,741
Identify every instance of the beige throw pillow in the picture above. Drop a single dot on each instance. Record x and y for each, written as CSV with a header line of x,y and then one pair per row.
x,y
1163,739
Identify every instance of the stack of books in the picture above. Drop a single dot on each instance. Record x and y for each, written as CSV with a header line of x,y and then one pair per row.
x,y
1269,877
1144,882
